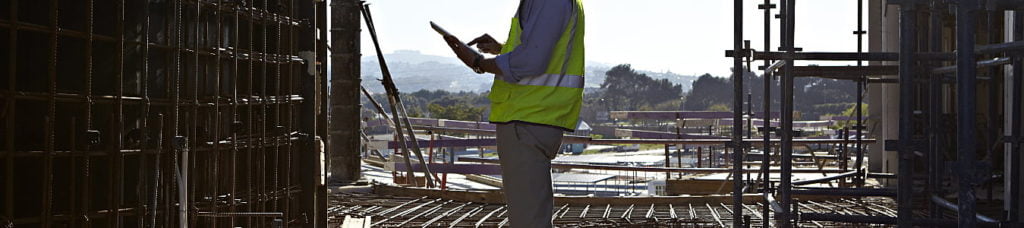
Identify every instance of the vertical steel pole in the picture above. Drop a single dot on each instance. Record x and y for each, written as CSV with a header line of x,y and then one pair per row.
x,y
750,109
310,160
737,111
12,70
935,112
859,162
966,108
908,38
1015,124
767,118
785,181
49,120
668,161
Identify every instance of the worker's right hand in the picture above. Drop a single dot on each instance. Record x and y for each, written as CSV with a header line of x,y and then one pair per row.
x,y
486,44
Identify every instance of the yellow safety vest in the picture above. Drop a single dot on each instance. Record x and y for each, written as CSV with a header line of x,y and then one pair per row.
x,y
553,98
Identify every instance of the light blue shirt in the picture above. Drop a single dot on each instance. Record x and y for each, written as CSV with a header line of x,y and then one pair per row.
x,y
543,22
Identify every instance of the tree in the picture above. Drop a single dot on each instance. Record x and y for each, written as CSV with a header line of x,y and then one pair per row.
x,y
708,91
626,89
457,111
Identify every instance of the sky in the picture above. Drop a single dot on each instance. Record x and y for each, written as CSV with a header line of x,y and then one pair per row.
x,y
682,36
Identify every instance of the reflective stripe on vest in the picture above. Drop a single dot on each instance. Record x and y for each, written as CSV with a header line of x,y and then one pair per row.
x,y
556,80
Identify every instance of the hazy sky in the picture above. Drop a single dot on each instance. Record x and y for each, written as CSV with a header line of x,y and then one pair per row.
x,y
682,36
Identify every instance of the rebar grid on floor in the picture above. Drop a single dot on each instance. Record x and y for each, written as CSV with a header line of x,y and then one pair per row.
x,y
395,211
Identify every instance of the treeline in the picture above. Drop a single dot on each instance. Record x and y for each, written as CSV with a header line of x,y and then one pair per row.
x,y
436,104
812,97
626,89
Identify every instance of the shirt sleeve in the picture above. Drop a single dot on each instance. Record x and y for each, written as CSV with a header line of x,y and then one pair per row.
x,y
543,25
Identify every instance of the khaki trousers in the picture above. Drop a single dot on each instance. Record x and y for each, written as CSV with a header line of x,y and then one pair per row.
x,y
525,151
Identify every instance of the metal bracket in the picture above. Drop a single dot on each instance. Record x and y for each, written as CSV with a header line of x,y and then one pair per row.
x,y
1013,140
179,142
762,6
92,137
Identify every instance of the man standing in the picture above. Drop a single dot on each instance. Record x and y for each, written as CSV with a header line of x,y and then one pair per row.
x,y
537,93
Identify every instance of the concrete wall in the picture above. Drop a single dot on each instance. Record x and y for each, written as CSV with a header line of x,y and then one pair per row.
x,y
883,99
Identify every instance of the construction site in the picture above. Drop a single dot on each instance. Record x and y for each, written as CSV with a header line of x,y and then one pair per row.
x,y
250,113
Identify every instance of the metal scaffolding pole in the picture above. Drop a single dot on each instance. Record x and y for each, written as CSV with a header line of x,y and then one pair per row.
x,y
966,107
859,162
785,185
737,129
908,42
766,120
935,135
1013,210
1014,155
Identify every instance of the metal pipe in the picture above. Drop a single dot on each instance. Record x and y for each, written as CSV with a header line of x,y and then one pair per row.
x,y
983,63
859,162
737,128
871,219
656,169
966,123
966,107
908,38
939,201
846,192
1014,211
935,134
766,120
785,185
827,178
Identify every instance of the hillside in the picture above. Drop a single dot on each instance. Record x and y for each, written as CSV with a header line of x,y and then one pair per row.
x,y
414,71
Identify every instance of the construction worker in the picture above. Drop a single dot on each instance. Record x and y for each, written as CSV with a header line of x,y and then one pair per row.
x,y
536,96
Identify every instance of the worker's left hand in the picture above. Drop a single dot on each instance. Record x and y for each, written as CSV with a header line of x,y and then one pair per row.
x,y
462,51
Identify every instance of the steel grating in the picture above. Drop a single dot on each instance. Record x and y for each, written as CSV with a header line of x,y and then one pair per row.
x,y
121,113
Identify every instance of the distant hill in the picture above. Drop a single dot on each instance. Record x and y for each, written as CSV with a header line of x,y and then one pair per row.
x,y
414,71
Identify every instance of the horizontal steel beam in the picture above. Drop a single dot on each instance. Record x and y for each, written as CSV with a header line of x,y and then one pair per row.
x,y
448,143
844,72
842,56
826,179
655,169
980,64
672,115
588,140
845,191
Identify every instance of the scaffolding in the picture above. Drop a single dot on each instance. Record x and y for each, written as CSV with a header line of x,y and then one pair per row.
x,y
923,115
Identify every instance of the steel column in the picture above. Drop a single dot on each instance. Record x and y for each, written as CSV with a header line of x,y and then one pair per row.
x,y
861,84
766,120
966,108
785,185
908,42
935,135
1013,210
737,110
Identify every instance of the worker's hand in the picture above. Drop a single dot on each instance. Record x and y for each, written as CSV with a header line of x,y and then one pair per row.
x,y
462,51
486,44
